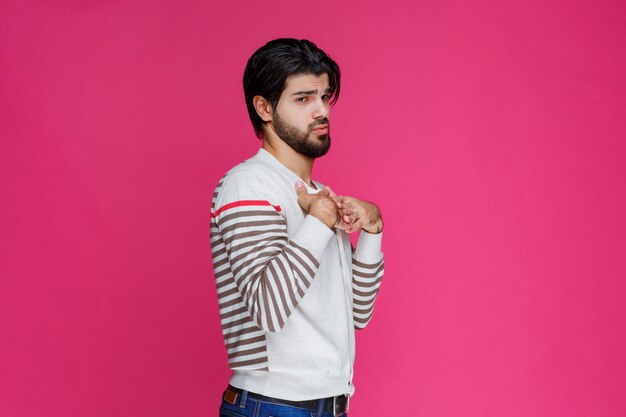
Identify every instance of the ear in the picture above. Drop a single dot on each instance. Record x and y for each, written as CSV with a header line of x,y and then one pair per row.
x,y
263,108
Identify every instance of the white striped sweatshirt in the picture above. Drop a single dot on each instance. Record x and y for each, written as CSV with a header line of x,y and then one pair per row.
x,y
291,291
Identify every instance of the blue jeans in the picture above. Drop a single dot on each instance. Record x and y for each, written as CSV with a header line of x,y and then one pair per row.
x,y
248,407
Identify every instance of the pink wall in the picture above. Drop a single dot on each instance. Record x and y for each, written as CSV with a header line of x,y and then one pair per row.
x,y
491,134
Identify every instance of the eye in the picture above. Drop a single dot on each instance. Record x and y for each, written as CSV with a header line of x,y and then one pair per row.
x,y
326,97
301,99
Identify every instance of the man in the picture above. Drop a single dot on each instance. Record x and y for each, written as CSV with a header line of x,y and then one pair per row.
x,y
291,289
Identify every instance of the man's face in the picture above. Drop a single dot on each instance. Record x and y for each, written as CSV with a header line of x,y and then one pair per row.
x,y
301,116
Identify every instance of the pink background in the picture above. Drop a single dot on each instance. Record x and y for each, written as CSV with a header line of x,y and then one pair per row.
x,y
490,133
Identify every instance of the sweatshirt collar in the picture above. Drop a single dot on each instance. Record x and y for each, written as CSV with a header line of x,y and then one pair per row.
x,y
267,157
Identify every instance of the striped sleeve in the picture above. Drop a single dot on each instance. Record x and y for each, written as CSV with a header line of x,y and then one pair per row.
x,y
367,273
270,272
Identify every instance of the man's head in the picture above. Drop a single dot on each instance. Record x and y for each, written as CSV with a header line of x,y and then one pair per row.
x,y
289,85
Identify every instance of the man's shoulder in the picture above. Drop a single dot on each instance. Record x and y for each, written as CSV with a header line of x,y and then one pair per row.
x,y
253,169
252,178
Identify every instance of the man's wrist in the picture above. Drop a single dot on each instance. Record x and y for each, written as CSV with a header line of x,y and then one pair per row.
x,y
325,219
375,229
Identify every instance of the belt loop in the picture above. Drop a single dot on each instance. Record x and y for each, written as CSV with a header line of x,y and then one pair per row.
x,y
244,397
320,407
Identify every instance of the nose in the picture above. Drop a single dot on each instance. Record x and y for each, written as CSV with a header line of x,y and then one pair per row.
x,y
322,109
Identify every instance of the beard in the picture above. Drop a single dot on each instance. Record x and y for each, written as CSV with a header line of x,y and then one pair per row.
x,y
307,143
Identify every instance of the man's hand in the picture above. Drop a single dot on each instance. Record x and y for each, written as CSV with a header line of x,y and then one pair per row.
x,y
320,205
359,214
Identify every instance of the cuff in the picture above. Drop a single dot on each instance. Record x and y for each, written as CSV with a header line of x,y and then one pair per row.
x,y
369,247
313,235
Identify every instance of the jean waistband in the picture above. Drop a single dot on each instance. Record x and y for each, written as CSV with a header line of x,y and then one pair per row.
x,y
337,404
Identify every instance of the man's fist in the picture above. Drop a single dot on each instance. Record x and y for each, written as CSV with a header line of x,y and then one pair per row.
x,y
320,205
359,214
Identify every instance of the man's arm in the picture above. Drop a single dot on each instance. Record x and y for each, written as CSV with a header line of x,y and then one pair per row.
x,y
368,267
367,259
254,259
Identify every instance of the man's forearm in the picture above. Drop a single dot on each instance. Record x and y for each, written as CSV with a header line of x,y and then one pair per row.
x,y
273,273
367,273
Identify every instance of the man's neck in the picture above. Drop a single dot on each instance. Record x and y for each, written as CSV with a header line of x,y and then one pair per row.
x,y
297,163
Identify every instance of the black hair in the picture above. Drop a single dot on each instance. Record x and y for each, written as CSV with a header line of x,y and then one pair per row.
x,y
271,64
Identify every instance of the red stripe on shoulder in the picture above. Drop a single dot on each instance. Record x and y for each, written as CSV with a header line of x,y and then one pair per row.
x,y
243,203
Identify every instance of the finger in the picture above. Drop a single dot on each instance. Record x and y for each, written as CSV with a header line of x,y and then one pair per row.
x,y
341,224
347,207
351,213
356,226
334,196
352,219
330,192
346,211
326,190
337,202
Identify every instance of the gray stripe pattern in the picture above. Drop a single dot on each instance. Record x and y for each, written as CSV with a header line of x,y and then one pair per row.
x,y
260,277
366,279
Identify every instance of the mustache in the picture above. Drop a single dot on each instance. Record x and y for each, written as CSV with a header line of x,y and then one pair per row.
x,y
320,122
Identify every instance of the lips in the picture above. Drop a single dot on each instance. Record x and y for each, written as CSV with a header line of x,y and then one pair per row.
x,y
321,130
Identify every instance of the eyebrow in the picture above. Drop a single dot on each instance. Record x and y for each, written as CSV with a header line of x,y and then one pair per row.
x,y
309,92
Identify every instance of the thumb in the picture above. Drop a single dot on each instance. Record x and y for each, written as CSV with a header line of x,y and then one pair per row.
x,y
300,188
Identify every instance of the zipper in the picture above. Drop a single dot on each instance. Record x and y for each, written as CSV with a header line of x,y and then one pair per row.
x,y
348,293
